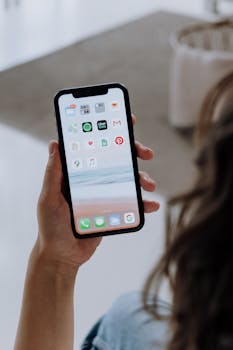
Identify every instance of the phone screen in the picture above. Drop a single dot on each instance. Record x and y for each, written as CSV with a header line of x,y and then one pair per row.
x,y
99,162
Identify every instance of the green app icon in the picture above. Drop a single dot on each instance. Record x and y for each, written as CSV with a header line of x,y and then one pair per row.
x,y
85,224
102,125
104,142
100,221
87,127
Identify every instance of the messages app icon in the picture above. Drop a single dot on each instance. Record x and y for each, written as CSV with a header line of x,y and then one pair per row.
x,y
100,221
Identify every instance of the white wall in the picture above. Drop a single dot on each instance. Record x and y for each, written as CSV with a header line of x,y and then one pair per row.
x,y
37,27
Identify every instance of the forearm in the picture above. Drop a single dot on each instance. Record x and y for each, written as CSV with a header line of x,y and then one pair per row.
x,y
47,316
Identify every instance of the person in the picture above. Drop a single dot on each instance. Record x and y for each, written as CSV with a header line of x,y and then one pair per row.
x,y
197,262
47,320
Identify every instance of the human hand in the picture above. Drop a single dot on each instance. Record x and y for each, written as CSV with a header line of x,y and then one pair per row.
x,y
56,242
147,183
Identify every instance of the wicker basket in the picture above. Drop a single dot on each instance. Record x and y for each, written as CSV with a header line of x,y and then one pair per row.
x,y
203,54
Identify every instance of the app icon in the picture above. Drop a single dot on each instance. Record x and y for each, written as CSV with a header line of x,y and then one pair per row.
x,y
129,218
100,221
71,109
92,162
104,142
102,125
114,219
119,140
90,144
77,163
73,127
117,123
74,146
87,127
84,109
100,107
115,106
85,224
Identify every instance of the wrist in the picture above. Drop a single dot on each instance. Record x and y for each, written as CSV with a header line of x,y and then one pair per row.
x,y
41,260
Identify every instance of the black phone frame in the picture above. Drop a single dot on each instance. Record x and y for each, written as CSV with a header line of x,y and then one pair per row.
x,y
85,91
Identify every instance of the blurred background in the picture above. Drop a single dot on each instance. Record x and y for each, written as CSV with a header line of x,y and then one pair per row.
x,y
168,53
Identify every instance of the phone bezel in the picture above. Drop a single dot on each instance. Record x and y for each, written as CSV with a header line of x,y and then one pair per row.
x,y
92,91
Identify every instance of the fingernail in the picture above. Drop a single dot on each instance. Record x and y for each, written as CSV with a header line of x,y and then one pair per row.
x,y
151,181
148,179
157,206
51,148
147,149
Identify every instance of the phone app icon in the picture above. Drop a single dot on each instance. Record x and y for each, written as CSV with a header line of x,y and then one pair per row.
x,y
100,107
119,140
115,106
114,219
91,162
87,127
117,123
90,144
102,125
100,221
71,109
85,224
104,142
73,128
129,218
84,109
77,164
74,146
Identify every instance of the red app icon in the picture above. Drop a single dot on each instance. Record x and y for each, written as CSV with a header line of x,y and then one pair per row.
x,y
116,123
115,106
90,144
119,140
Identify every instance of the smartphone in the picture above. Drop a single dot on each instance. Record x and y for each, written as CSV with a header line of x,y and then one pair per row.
x,y
99,160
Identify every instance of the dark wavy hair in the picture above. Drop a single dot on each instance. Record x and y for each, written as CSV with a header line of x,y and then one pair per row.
x,y
198,257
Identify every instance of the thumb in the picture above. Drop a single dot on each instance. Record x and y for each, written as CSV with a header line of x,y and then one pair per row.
x,y
53,174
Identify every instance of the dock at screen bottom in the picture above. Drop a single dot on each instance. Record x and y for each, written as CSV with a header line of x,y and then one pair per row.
x,y
108,222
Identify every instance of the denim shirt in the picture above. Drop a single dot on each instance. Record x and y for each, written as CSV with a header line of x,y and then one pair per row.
x,y
127,326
